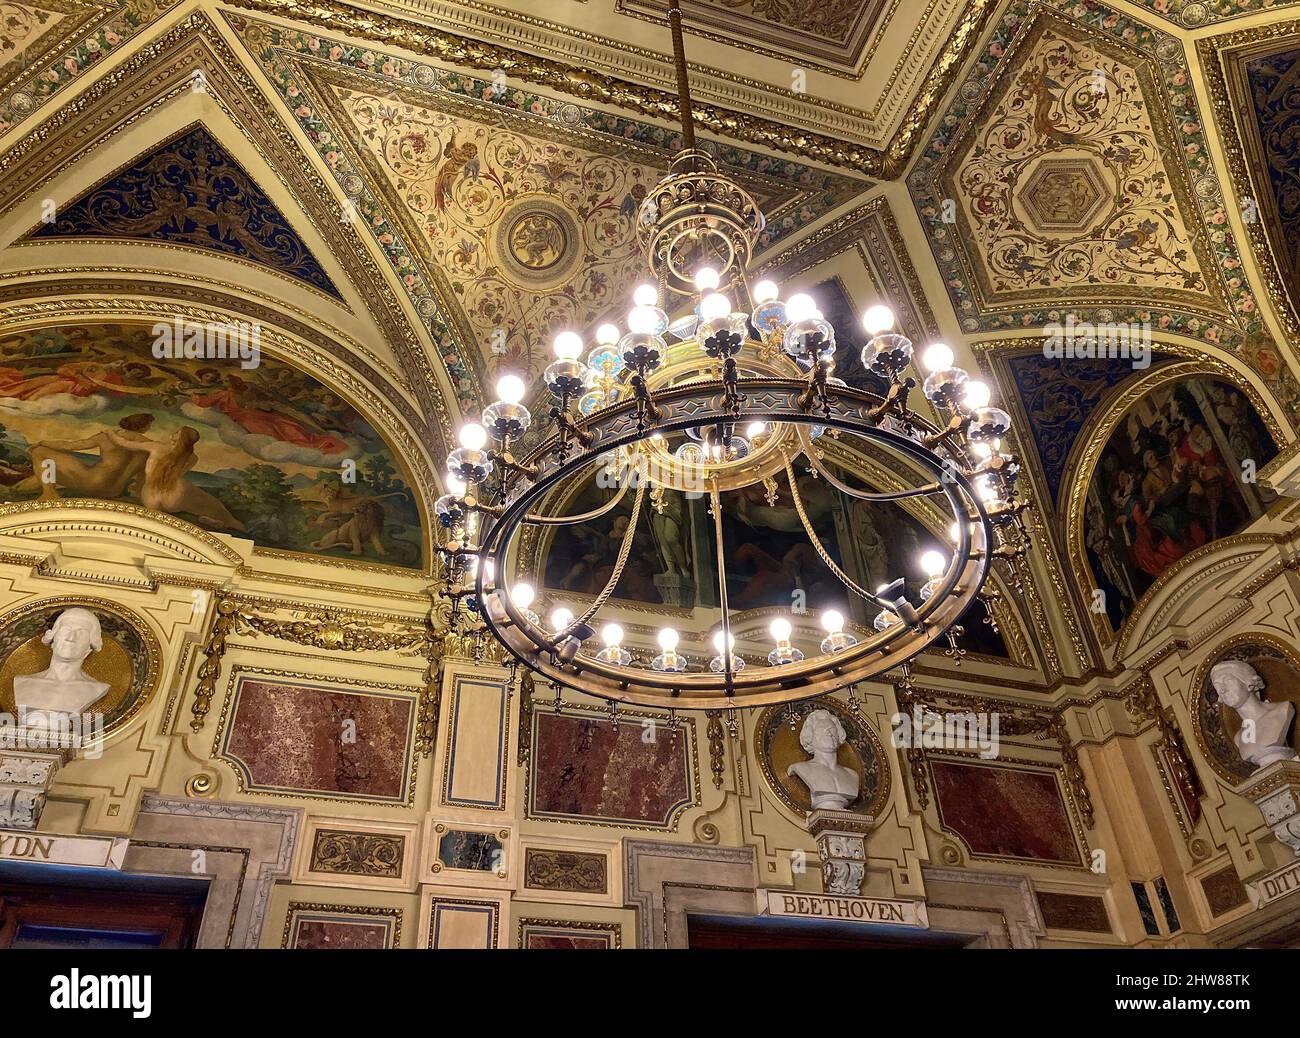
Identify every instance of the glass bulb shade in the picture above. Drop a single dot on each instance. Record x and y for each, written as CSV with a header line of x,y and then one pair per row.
x,y
715,304
471,466
793,343
668,639
511,389
832,621
647,320
976,394
800,307
933,563
717,641
930,587
780,629
988,424
566,377
838,641
509,419
770,317
608,334
612,635
718,665
669,662
561,618
938,356
646,295
473,436
707,279
885,619
944,387
567,346
887,354
765,292
449,510
522,595
878,319
755,429
607,358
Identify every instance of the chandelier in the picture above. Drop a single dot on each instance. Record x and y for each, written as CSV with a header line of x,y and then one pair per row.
x,y
730,395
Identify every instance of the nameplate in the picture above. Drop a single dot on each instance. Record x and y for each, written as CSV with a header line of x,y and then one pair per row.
x,y
1274,886
93,852
886,911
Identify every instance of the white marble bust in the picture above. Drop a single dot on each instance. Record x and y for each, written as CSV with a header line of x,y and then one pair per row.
x,y
63,687
1262,738
830,784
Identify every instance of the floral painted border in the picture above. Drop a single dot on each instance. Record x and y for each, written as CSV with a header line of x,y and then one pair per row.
x,y
1248,336
35,90
1194,13
268,43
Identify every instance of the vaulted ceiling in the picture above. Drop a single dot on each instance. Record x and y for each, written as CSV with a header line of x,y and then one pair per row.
x,y
414,195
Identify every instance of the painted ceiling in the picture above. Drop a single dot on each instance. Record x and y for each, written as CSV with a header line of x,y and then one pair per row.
x,y
418,194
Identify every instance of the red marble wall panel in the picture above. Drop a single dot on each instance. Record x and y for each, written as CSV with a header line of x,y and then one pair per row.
x,y
313,739
1005,812
587,767
340,934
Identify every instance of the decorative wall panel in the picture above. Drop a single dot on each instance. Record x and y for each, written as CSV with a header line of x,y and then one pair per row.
x,y
478,712
1073,912
558,934
585,768
342,927
288,736
1005,812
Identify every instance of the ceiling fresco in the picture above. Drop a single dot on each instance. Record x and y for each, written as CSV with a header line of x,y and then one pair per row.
x,y
1064,112
434,162
190,192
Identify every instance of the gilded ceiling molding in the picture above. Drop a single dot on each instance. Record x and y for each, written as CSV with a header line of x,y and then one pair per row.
x,y
646,101
1196,13
589,50
48,66
1092,441
163,70
1156,60
1221,59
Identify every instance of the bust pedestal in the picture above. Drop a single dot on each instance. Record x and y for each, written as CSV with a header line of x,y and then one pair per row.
x,y
25,779
1275,790
842,844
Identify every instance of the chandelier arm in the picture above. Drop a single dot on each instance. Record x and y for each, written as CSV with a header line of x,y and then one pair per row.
x,y
898,495
624,550
715,499
533,519
843,577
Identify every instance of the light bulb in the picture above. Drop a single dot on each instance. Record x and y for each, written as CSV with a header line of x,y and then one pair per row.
x,y
717,641
455,485
608,334
755,429
473,436
780,629
642,320
765,292
800,307
714,305
932,563
706,279
645,295
612,635
833,621
954,532
668,639
511,389
878,319
937,357
977,394
561,618
522,595
567,345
